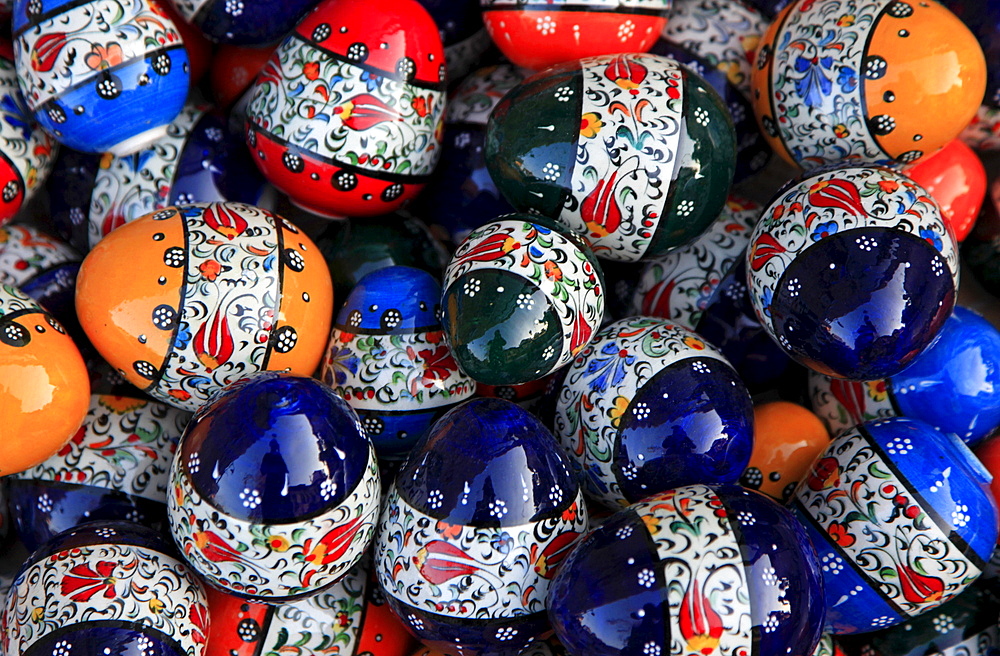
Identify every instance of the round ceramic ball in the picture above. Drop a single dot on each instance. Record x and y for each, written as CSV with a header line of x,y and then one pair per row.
x,y
786,439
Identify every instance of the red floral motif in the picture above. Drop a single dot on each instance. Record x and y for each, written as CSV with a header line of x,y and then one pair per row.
x,y
600,208
851,395
838,194
84,581
626,73
763,250
103,57
224,221
332,546
547,560
581,334
438,367
839,533
439,562
365,111
492,248
701,625
919,588
215,548
199,617
46,51
825,474
213,343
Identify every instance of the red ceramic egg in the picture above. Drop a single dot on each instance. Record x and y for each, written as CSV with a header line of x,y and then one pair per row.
x,y
233,71
956,178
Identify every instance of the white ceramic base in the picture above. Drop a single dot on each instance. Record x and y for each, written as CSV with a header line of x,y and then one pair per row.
x,y
138,142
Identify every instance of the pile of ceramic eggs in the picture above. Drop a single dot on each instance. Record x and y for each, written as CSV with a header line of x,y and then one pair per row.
x,y
462,327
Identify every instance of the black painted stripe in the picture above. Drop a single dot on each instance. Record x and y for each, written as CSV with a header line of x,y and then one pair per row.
x,y
275,329
863,80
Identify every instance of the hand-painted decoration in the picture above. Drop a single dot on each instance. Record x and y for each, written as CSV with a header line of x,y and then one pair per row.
x,y
42,267
243,22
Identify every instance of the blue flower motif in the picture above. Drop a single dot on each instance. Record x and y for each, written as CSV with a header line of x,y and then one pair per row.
x,y
766,301
932,237
610,366
183,336
371,80
340,361
502,542
824,230
847,79
814,85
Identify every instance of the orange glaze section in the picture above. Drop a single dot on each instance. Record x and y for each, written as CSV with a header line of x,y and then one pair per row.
x,y
119,287
44,395
787,438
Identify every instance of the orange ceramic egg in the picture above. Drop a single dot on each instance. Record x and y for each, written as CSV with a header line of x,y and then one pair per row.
x,y
191,298
787,438
956,178
44,387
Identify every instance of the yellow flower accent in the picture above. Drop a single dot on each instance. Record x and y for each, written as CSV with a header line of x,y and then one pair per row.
x,y
590,125
846,20
651,522
37,614
106,160
155,605
694,342
121,404
619,408
278,543
877,390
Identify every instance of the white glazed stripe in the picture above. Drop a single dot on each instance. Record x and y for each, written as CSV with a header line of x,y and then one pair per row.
x,y
25,244
32,157
13,300
479,93
832,411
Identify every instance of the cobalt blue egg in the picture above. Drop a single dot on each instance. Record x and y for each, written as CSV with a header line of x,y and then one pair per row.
x,y
243,22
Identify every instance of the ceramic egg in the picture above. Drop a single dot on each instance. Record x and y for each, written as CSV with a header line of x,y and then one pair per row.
x,y
981,249
190,298
857,83
388,359
635,152
199,49
44,386
786,439
233,71
533,396
902,518
853,271
275,489
105,588
114,467
954,385
983,132
474,528
243,22
539,35
648,406
69,186
42,267
346,118
696,570
463,35
956,179
522,297
100,76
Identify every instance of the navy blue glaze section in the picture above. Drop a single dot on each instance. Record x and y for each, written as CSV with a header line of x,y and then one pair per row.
x,y
69,187
457,20
125,533
260,23
394,434
864,313
477,637
55,290
114,637
394,300
280,435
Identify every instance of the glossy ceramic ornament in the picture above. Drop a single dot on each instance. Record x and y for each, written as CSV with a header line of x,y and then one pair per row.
x,y
697,570
388,359
114,467
233,71
474,528
275,489
42,267
100,76
902,518
243,22
69,186
956,179
521,299
835,82
981,249
954,385
853,271
346,117
200,50
539,35
635,152
107,587
211,292
44,387
465,40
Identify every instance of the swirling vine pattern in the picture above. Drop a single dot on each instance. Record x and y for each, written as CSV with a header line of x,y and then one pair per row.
x,y
842,404
29,148
479,93
26,253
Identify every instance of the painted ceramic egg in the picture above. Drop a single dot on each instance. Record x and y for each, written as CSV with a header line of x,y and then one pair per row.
x,y
387,357
40,266
533,396
902,518
649,406
540,35
636,152
834,82
107,587
245,22
956,179
188,299
44,386
69,186
853,271
983,132
521,298
474,528
200,50
100,76
465,40
114,467
346,118
695,570
954,385
275,489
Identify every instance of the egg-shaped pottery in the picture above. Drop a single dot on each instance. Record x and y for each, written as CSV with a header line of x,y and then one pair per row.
x,y
69,186
233,71
983,132
243,22
956,179
41,266
463,35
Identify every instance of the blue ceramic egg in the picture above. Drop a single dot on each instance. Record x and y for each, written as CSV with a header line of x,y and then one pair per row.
x,y
68,190
902,518
698,570
43,267
389,360
465,40
243,22
474,527
275,488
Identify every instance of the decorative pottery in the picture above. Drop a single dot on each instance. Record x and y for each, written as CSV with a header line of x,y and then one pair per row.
x,y
540,35
636,152
243,22
697,570
214,292
853,271
200,50
981,249
465,40
114,467
42,267
44,386
233,71
956,179
902,518
111,586
648,406
954,385
69,186
857,82
983,132
346,118
522,297
275,489
98,75
474,528
533,397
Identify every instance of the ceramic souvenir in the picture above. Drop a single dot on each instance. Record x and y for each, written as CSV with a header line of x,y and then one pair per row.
x,y
636,152
648,406
388,359
243,22
954,385
857,82
983,19
40,266
531,396
69,186
853,271
275,488
474,528
44,386
114,467
98,75
346,117
983,132
956,179
537,35
105,588
465,40
200,50
212,292
981,249
522,297
902,518
698,570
